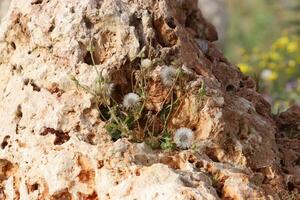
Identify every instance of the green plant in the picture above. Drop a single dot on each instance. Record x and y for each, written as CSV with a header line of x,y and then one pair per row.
x,y
253,24
202,90
167,142
131,118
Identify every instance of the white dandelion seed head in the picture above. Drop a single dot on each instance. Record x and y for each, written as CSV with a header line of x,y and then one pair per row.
x,y
108,88
130,100
146,63
183,138
168,75
265,74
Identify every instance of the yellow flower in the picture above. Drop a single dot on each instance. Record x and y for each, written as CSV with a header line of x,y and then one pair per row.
x,y
275,56
245,68
273,77
292,47
282,42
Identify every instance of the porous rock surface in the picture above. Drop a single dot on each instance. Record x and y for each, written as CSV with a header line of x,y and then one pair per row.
x,y
4,4
54,146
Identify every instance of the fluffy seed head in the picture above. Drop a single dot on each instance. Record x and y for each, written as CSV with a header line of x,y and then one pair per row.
x,y
168,75
130,100
183,138
104,89
108,88
146,63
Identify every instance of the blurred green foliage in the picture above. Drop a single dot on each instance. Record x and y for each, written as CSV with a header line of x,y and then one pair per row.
x,y
278,70
264,41
252,24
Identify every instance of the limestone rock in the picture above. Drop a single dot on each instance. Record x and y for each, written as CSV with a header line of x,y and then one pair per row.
x,y
4,4
54,144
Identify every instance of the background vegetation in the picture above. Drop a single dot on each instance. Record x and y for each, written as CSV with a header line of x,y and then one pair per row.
x,y
263,40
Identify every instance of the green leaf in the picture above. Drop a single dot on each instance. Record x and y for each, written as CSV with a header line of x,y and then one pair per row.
x,y
129,121
202,90
167,142
113,130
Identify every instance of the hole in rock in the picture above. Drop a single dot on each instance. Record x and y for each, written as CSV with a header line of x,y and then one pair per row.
x,y
104,113
5,167
36,2
51,28
62,195
35,87
34,187
290,186
192,159
199,164
88,22
100,164
61,137
19,113
164,37
92,196
13,45
88,59
26,81
230,88
211,154
137,172
5,141
135,21
191,20
219,192
171,23
285,170
297,162
54,89
241,84
88,138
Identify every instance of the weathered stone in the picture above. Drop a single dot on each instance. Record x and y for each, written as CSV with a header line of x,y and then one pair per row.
x,y
54,144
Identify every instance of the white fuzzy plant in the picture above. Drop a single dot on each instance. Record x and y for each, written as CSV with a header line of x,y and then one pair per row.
x,y
168,75
183,138
134,104
131,100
